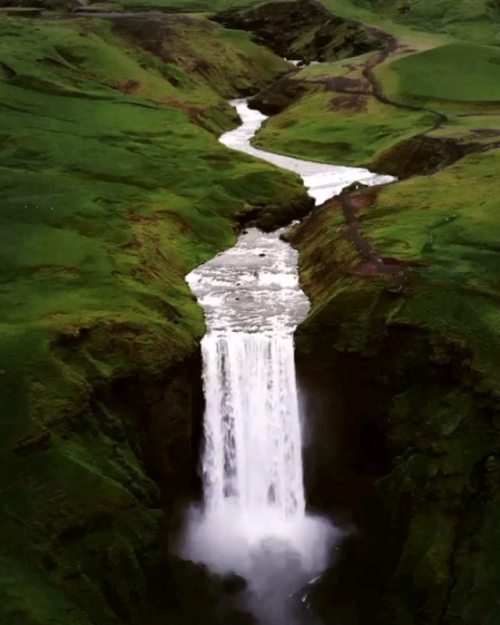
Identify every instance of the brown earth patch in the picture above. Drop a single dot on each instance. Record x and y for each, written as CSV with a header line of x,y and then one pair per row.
x,y
485,132
343,83
365,200
349,102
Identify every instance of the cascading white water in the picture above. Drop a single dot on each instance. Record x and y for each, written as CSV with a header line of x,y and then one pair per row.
x,y
252,432
323,181
252,462
254,519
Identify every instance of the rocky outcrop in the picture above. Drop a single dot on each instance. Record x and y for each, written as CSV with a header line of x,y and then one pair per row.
x,y
421,155
303,30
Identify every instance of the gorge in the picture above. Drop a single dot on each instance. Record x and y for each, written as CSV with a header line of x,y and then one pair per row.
x,y
375,311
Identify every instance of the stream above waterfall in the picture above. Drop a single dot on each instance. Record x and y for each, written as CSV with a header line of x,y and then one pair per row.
x,y
254,519
323,181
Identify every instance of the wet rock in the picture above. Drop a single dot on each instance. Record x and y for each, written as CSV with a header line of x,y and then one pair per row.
x,y
278,96
234,584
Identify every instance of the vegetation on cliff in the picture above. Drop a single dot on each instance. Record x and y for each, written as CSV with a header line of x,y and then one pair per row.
x,y
430,349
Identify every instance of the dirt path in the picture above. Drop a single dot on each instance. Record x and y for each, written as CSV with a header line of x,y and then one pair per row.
x,y
397,270
351,203
390,47
375,264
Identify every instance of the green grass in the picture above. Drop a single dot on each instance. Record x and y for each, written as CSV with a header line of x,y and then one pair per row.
x,y
449,224
446,227
83,153
458,72
471,20
112,187
332,128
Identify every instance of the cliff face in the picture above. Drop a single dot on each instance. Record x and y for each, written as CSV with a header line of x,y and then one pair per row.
x,y
423,419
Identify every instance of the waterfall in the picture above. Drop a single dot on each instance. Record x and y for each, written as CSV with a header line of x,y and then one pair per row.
x,y
252,460
252,431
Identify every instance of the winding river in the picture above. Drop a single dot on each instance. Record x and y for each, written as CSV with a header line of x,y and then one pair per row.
x,y
254,520
322,181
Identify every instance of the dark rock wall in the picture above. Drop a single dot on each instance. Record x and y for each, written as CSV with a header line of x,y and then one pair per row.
x,y
302,30
405,444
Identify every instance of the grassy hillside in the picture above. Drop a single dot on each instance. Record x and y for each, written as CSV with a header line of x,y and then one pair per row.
x,y
477,20
358,110
113,186
339,129
458,72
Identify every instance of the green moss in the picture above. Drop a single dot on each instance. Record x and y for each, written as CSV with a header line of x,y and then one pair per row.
x,y
450,228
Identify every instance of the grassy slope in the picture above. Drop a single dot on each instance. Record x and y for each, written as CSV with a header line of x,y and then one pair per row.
x,y
456,72
448,223
331,125
334,128
111,191
428,70
476,21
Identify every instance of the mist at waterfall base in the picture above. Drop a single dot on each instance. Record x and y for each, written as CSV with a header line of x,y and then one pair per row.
x,y
253,521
